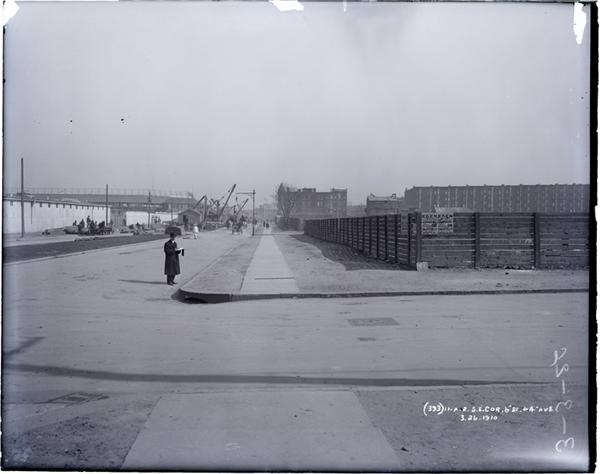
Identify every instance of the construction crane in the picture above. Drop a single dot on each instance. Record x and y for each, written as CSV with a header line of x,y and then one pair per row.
x,y
220,213
203,198
241,207
214,203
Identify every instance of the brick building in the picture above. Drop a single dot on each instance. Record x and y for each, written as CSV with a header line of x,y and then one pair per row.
x,y
312,204
382,205
552,198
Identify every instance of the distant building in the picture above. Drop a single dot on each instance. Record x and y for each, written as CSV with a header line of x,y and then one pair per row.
x,y
265,212
312,204
382,205
294,206
355,210
190,217
548,198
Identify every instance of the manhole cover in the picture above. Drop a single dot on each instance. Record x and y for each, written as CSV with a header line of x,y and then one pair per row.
x,y
373,322
78,398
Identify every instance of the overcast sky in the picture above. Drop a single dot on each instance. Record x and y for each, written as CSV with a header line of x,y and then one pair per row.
x,y
198,96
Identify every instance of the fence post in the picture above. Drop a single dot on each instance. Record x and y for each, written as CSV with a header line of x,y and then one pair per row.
x,y
537,251
347,231
370,233
418,242
477,262
409,239
364,219
396,232
377,236
387,247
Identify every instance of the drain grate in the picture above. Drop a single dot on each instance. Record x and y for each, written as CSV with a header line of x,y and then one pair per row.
x,y
373,322
78,398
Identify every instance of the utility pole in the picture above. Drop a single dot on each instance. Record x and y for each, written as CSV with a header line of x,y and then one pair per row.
x,y
253,219
149,203
253,194
106,220
22,199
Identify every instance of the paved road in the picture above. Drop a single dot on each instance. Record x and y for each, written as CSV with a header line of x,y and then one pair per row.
x,y
104,368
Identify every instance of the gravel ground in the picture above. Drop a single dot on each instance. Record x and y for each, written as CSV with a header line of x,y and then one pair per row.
x,y
327,267
481,443
98,440
452,441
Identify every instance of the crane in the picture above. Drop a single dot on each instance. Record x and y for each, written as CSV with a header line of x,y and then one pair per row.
x,y
219,213
241,207
214,203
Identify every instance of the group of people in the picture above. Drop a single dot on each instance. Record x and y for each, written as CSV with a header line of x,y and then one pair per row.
x,y
90,224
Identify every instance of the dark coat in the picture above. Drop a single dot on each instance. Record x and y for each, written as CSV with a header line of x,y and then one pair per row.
x,y
171,258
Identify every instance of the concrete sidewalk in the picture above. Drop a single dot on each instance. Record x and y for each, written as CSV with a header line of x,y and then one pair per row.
x,y
291,265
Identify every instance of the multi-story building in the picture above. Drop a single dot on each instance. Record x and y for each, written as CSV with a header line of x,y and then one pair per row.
x,y
552,198
312,204
382,205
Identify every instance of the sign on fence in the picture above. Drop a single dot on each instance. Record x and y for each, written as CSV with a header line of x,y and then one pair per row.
x,y
433,223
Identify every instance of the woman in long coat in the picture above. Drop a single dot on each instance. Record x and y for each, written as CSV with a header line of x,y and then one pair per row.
x,y
171,260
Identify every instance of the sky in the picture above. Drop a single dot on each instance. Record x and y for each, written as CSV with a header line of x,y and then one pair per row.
x,y
374,97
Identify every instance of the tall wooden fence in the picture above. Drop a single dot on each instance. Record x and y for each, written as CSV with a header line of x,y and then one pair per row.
x,y
470,240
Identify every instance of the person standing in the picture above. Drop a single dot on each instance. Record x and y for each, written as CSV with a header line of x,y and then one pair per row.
x,y
171,259
195,230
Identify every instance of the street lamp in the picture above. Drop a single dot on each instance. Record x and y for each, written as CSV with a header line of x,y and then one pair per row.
x,y
253,194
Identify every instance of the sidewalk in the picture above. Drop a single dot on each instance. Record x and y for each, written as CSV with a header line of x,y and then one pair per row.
x,y
292,265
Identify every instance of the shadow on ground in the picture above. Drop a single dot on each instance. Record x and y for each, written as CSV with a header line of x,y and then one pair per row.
x,y
145,282
351,259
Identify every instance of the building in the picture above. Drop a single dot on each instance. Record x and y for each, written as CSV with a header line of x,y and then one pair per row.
x,y
547,198
294,205
355,210
382,205
312,204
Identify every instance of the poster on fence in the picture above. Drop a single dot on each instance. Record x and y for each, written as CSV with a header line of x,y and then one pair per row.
x,y
433,223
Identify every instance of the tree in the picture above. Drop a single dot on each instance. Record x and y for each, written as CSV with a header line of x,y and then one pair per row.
x,y
286,201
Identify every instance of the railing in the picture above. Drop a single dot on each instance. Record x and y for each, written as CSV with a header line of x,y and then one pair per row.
x,y
99,191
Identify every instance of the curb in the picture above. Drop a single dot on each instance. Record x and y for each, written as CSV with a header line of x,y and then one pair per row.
x,y
214,298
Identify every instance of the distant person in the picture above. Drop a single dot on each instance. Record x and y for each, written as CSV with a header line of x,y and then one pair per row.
x,y
171,259
195,230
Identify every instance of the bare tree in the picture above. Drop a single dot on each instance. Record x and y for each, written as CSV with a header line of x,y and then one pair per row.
x,y
286,201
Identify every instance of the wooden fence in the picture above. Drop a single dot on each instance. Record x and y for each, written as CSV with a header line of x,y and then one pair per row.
x,y
470,240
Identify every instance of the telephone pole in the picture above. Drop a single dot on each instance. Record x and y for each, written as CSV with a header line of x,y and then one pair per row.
x,y
106,220
22,199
